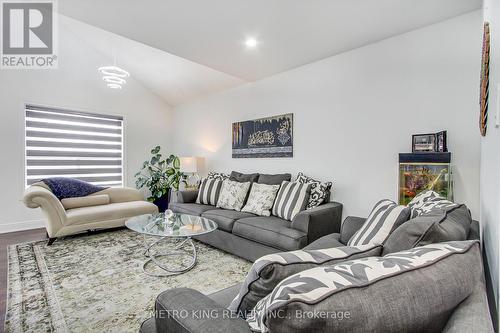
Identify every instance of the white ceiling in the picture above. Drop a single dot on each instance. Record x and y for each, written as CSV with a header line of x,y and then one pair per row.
x,y
174,79
211,33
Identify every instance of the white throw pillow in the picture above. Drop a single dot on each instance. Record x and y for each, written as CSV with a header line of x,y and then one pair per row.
x,y
261,199
87,201
233,194
425,201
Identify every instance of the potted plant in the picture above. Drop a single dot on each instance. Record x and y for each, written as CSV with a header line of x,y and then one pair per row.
x,y
160,176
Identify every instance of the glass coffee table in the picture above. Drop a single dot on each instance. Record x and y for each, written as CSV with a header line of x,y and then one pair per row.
x,y
177,226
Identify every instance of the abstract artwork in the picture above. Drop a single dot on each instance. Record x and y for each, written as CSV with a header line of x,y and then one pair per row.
x,y
265,137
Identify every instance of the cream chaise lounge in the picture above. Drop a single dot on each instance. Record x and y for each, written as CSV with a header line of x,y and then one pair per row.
x,y
119,204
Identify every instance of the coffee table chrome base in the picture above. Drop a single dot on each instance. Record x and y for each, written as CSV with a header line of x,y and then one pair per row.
x,y
176,251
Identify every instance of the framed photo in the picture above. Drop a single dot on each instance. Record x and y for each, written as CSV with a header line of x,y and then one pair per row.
x,y
441,144
424,143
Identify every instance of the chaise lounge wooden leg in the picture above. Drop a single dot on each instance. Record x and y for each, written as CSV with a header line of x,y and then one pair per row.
x,y
51,240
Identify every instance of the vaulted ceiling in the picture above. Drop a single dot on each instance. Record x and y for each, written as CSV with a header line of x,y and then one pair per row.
x,y
196,46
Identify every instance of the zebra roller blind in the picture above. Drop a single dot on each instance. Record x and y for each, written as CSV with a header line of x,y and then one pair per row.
x,y
62,143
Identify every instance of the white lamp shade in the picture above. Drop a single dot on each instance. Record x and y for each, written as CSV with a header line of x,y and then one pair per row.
x,y
190,164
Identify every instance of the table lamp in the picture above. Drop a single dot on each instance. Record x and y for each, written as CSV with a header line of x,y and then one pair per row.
x,y
190,166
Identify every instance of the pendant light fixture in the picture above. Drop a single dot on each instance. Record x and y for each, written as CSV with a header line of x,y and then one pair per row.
x,y
114,76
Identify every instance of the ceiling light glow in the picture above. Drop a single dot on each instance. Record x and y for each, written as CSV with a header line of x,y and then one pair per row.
x,y
251,43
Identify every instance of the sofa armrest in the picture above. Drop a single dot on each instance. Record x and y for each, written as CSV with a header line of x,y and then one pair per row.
x,y
472,315
184,196
319,221
39,196
122,194
183,310
349,227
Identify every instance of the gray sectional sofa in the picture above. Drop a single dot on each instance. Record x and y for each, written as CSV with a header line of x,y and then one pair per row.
x,y
250,236
441,293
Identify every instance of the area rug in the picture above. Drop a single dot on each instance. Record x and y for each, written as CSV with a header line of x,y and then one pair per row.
x,y
95,283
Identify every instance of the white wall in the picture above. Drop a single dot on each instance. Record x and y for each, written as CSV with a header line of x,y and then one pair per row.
x,y
356,111
75,85
490,153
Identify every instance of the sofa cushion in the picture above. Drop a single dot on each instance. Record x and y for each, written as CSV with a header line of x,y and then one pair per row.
x,y
410,291
261,199
320,191
292,198
439,225
87,201
233,195
209,191
243,178
276,179
225,218
325,242
271,231
190,208
268,271
114,211
385,217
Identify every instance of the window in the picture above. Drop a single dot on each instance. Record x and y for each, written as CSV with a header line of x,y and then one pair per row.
x,y
62,143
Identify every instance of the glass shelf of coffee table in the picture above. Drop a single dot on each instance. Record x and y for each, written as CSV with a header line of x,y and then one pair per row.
x,y
168,228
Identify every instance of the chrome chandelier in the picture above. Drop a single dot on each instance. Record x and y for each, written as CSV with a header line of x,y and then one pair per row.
x,y
114,76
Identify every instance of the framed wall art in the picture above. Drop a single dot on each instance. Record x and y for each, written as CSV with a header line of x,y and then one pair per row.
x,y
485,73
264,137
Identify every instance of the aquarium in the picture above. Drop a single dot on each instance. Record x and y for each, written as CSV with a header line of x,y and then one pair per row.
x,y
419,172
417,177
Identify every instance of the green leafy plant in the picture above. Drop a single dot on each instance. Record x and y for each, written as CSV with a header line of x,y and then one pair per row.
x,y
160,175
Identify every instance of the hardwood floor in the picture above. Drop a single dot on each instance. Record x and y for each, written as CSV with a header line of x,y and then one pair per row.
x,y
5,240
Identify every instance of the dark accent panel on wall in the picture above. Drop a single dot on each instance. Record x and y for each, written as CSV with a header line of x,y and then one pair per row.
x,y
265,137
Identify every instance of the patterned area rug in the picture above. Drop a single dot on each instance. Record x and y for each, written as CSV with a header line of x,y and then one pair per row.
x,y
95,283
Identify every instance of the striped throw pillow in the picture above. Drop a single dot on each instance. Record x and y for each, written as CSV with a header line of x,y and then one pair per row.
x,y
292,198
208,193
385,217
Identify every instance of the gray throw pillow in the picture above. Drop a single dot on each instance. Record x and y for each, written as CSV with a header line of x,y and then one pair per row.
x,y
243,178
274,179
271,269
439,225
409,291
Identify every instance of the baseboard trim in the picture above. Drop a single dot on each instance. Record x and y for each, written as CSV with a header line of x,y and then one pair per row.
x,y
20,226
